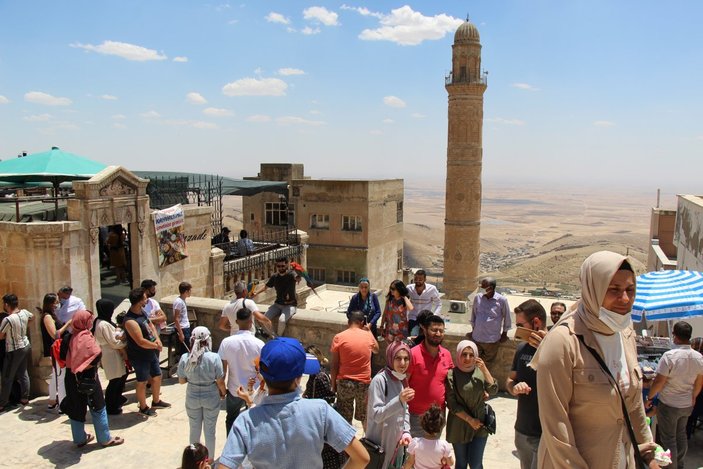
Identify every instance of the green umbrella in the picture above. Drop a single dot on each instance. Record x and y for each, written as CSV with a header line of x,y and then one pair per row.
x,y
54,166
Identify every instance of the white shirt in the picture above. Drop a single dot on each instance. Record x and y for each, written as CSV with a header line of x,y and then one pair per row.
x,y
240,351
230,312
68,308
614,358
151,307
180,313
681,365
429,299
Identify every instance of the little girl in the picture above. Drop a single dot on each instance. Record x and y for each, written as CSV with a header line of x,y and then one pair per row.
x,y
195,456
429,452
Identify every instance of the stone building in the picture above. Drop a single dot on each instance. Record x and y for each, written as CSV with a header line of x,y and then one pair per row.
x,y
465,85
355,227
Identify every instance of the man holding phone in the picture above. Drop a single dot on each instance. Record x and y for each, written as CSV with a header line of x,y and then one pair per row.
x,y
531,319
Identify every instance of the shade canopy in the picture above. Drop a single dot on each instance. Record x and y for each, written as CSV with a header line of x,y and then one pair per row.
x,y
229,186
55,166
668,294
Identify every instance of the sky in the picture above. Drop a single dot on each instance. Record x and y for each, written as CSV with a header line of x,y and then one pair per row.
x,y
580,93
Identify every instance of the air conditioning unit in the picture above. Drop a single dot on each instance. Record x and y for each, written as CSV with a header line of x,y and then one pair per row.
x,y
457,306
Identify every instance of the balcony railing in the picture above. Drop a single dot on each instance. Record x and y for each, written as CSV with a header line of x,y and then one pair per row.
x,y
453,80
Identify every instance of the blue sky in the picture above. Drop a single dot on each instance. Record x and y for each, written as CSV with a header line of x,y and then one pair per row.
x,y
580,92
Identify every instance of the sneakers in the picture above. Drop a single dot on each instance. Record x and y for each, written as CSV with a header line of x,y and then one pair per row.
x,y
161,404
148,411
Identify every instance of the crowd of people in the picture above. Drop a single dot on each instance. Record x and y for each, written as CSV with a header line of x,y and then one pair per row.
x,y
577,382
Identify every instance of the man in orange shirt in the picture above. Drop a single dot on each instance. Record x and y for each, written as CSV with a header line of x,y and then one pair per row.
x,y
351,367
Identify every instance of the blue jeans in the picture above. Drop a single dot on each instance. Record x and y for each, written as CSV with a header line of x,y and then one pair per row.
x,y
203,408
102,431
470,454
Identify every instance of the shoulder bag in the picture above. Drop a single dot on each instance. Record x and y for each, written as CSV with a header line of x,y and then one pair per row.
x,y
489,419
376,453
639,462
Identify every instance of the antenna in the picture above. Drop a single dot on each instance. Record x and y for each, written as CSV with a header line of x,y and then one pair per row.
x,y
467,17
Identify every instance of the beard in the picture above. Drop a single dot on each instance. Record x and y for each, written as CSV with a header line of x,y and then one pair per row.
x,y
434,341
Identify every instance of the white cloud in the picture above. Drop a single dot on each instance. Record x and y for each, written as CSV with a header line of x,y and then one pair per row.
x,y
124,50
393,101
38,97
295,120
376,132
315,112
321,14
274,17
290,71
38,118
217,112
195,98
388,121
180,59
524,86
256,87
109,97
417,115
308,31
3,100
259,118
233,22
150,115
604,123
500,120
191,123
407,27
363,11
119,117
119,125
699,137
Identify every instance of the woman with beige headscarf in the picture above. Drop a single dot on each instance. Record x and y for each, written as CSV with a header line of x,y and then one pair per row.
x,y
583,425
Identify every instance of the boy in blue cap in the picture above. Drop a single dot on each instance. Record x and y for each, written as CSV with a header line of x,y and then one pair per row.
x,y
285,431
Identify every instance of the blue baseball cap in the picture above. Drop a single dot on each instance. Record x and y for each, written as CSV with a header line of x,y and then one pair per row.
x,y
283,359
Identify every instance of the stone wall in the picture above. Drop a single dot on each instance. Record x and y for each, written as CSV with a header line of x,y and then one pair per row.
x,y
317,327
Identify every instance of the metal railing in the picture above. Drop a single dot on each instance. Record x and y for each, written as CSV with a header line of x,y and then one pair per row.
x,y
258,264
468,78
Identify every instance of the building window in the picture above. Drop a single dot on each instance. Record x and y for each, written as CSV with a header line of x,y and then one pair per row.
x,y
351,223
296,191
276,213
346,276
251,216
316,274
321,222
400,260
399,212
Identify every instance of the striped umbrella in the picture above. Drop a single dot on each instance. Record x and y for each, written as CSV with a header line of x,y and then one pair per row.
x,y
668,294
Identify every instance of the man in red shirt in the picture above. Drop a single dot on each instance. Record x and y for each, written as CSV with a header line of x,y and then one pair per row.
x,y
430,364
351,367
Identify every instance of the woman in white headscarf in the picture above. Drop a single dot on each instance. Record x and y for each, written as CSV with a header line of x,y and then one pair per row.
x,y
466,386
202,370
583,425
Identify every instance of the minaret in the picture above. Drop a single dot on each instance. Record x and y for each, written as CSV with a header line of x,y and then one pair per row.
x,y
465,84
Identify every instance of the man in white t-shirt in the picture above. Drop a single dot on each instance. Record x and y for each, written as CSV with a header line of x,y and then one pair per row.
x,y
153,308
423,296
228,321
69,304
240,354
678,383
180,317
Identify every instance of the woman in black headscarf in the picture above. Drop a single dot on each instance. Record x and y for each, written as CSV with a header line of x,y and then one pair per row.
x,y
113,359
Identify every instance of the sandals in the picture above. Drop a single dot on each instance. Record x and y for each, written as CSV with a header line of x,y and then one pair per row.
x,y
88,439
114,441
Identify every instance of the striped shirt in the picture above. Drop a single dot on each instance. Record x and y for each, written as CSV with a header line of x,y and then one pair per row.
x,y
14,327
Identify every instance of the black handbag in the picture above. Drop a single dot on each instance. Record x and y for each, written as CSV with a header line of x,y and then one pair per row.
x,y
86,384
376,453
489,421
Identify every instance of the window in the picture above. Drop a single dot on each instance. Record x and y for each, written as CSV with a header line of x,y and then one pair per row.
x,y
400,260
399,212
296,191
351,223
276,213
316,274
346,276
321,222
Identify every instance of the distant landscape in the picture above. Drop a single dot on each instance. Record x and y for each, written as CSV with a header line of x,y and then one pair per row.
x,y
530,238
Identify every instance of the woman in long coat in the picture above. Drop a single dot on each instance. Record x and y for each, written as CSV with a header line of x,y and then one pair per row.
x,y
113,359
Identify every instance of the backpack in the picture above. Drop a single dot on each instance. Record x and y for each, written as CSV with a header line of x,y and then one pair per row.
x,y
56,353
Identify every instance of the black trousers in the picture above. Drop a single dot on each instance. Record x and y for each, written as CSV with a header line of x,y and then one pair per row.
x,y
113,394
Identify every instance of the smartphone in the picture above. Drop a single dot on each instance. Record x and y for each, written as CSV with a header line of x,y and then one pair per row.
x,y
523,333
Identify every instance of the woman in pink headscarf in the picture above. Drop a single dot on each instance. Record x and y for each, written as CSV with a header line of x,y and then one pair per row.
x,y
466,385
387,417
83,390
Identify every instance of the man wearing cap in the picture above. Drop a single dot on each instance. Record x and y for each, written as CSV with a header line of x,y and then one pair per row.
x,y
69,304
351,367
286,431
239,353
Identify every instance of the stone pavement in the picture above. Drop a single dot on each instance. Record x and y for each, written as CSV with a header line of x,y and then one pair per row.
x,y
36,437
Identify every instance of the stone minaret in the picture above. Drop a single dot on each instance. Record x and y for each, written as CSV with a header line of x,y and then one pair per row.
x,y
465,84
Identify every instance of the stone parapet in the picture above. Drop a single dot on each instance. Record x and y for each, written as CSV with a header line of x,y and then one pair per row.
x,y
320,327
